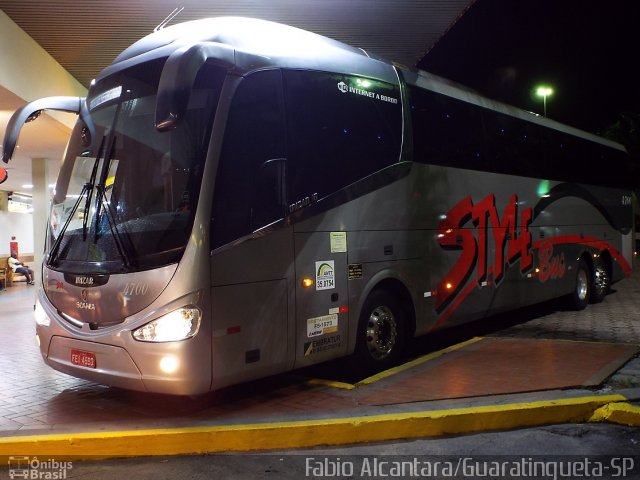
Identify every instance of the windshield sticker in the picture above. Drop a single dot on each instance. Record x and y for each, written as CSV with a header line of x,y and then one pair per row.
x,y
361,89
105,97
55,220
322,325
325,275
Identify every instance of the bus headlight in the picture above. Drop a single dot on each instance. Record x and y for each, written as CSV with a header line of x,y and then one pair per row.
x,y
39,314
172,327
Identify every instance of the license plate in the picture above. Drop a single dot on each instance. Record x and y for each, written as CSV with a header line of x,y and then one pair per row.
x,y
83,359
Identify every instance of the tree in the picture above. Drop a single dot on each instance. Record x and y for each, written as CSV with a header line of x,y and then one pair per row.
x,y
626,131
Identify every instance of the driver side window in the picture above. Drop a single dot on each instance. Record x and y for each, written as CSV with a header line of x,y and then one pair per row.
x,y
251,161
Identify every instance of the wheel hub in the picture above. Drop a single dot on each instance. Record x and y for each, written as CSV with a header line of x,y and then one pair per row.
x,y
382,332
582,285
601,280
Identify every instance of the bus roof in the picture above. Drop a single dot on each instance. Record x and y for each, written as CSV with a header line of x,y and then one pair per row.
x,y
260,44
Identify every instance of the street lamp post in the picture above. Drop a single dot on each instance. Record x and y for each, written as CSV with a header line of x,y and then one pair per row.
x,y
544,92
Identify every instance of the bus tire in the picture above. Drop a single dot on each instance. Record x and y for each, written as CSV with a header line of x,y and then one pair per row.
x,y
381,335
579,299
601,282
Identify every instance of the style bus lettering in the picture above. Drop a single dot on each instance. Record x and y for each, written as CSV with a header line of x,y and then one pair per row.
x,y
466,228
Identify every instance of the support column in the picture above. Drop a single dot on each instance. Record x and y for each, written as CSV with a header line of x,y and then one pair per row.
x,y
41,199
4,201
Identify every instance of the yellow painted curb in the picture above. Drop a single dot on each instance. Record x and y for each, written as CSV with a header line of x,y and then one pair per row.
x,y
394,370
416,362
331,383
303,434
620,413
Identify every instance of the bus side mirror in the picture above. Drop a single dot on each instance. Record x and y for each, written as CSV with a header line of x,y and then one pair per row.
x,y
30,112
178,76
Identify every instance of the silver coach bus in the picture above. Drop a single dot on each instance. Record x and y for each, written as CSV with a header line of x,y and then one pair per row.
x,y
240,198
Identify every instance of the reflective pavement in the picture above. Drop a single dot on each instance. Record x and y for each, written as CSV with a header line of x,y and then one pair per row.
x,y
508,372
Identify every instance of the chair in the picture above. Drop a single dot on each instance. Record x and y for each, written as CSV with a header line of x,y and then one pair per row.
x,y
6,276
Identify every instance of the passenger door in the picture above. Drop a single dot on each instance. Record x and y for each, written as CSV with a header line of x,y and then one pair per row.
x,y
252,260
341,129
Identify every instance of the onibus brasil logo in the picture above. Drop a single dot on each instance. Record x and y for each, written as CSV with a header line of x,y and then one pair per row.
x,y
33,468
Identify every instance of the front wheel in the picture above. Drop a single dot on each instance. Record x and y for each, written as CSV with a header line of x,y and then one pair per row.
x,y
579,299
381,333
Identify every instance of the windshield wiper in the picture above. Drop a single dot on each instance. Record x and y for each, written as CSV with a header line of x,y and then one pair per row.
x,y
124,245
103,179
53,253
89,187
123,242
87,190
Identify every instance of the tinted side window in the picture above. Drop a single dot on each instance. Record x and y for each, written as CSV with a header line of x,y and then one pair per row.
x,y
446,131
578,160
340,129
450,132
513,146
621,169
253,149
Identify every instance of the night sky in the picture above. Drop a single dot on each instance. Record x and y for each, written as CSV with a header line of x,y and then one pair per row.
x,y
587,50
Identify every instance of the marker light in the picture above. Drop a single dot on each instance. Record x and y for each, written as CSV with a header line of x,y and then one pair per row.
x,y
449,286
39,314
172,327
307,282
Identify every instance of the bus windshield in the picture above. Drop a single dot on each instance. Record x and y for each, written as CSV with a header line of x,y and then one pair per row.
x,y
126,195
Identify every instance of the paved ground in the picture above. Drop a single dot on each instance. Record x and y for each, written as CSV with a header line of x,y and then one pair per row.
x,y
35,399
615,320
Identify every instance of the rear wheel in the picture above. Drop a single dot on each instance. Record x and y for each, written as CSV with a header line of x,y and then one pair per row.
x,y
579,299
601,282
381,333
